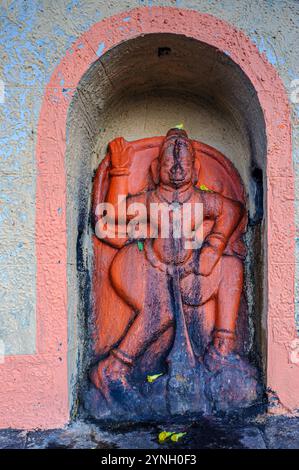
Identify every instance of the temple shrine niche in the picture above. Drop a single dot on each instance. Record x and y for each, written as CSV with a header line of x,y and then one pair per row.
x,y
166,312
164,332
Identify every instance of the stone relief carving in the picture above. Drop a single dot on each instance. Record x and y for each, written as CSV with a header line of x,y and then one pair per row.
x,y
167,337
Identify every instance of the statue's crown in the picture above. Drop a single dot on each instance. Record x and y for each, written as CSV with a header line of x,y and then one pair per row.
x,y
176,133
178,136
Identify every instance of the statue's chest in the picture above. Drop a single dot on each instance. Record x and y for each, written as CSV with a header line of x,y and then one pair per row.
x,y
172,224
175,215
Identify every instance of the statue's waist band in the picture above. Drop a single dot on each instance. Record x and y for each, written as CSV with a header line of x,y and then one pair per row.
x,y
183,268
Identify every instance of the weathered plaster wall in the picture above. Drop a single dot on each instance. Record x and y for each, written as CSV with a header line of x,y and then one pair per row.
x,y
34,37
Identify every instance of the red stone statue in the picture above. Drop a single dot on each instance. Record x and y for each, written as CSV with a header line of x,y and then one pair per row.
x,y
161,307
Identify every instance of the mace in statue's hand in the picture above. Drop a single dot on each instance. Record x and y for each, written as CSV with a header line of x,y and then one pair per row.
x,y
121,153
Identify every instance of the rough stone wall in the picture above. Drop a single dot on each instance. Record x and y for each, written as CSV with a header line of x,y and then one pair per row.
x,y
35,35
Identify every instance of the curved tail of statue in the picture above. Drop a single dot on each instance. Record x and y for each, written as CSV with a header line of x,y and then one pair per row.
x,y
185,376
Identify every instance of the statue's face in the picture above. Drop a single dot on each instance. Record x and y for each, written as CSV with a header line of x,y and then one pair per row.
x,y
176,163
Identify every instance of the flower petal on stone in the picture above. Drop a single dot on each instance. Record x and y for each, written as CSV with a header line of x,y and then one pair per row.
x,y
152,378
164,435
203,187
175,437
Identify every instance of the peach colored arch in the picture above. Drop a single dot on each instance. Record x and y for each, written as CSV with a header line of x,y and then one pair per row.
x,y
35,393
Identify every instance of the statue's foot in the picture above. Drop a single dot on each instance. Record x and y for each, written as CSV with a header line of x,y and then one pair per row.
x,y
224,342
221,351
112,378
232,382
214,360
109,374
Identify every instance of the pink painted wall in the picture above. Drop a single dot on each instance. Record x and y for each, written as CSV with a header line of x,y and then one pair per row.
x,y
36,394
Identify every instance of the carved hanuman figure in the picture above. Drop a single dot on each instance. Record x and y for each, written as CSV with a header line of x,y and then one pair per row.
x,y
167,285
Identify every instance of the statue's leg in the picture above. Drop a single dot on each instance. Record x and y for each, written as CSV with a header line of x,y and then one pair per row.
x,y
228,302
153,361
199,304
153,319
151,322
200,321
232,381
216,300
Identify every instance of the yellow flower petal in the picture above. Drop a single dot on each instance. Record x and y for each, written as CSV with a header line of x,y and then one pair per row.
x,y
177,436
152,378
179,126
164,435
203,187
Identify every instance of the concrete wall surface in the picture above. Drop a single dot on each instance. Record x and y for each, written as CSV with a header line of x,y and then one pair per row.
x,y
35,35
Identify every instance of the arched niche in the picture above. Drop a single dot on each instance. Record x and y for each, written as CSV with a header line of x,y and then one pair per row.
x,y
62,212
141,88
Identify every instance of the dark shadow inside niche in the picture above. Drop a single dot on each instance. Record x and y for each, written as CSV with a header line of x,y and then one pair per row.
x,y
140,88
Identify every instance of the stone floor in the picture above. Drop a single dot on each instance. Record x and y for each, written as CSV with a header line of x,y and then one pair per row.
x,y
261,432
